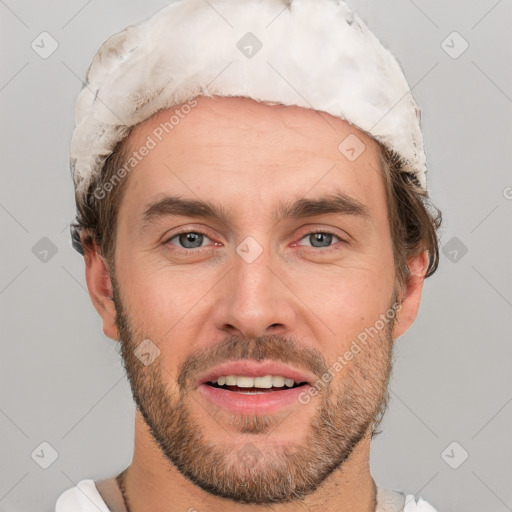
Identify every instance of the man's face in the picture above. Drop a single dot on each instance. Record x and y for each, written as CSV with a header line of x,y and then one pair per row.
x,y
282,282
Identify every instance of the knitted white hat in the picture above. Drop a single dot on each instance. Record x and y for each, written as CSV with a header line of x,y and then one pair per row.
x,y
311,53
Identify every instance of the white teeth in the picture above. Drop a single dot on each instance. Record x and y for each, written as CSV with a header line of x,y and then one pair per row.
x,y
245,382
265,382
277,381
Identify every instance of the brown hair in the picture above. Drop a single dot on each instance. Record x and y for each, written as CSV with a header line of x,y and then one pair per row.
x,y
413,219
96,210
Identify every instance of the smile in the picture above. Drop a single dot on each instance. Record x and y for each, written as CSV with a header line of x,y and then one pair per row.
x,y
254,387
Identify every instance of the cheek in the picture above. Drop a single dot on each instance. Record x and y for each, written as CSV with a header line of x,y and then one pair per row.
x,y
347,300
163,302
172,303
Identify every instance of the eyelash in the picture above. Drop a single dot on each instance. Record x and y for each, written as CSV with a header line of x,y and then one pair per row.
x,y
309,233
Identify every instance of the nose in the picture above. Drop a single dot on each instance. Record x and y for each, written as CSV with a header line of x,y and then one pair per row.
x,y
255,300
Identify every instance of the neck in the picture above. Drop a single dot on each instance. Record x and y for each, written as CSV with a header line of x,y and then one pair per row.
x,y
151,482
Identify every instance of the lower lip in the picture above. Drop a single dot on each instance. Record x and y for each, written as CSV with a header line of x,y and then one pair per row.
x,y
263,403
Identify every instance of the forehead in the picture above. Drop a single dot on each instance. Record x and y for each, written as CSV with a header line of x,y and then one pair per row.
x,y
243,153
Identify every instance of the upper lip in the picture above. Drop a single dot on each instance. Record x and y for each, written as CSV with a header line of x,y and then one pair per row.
x,y
255,369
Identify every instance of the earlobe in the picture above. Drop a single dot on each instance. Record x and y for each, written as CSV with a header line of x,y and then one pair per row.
x,y
411,296
100,289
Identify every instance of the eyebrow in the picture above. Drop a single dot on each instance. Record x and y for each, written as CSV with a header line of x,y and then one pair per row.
x,y
337,202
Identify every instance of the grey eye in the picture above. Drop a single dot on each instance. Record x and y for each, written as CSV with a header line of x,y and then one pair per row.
x,y
319,239
190,240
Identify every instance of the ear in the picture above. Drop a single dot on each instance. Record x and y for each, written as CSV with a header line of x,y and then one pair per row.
x,y
100,289
411,296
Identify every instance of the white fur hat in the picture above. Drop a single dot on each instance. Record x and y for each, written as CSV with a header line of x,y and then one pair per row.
x,y
311,53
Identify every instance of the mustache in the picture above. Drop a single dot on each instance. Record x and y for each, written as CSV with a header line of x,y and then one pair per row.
x,y
234,348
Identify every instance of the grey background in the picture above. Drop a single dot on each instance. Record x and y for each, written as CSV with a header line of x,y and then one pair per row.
x,y
61,378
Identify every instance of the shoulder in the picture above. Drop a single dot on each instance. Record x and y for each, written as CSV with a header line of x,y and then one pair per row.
x,y
84,497
392,500
411,505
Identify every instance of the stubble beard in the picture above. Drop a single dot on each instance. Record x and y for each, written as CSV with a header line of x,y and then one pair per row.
x,y
257,472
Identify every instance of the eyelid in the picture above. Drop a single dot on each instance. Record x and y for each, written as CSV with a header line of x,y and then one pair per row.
x,y
167,240
310,230
320,233
335,246
203,230
306,231
177,235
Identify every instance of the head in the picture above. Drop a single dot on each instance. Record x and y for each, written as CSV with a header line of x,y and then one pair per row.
x,y
246,236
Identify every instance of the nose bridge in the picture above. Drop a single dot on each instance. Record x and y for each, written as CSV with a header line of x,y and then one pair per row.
x,y
255,298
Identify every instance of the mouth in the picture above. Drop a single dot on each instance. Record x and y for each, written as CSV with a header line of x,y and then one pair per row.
x,y
247,385
252,387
